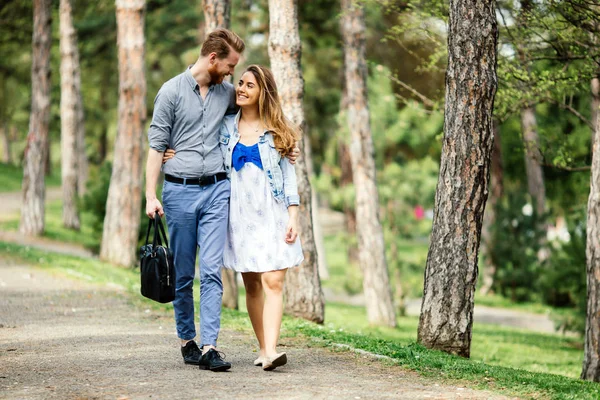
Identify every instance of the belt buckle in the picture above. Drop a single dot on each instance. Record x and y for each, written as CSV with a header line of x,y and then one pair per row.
x,y
206,180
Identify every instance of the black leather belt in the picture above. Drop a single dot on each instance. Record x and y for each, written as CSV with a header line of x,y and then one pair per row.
x,y
204,181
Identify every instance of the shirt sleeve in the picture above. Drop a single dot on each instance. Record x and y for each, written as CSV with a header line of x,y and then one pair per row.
x,y
290,183
161,126
233,108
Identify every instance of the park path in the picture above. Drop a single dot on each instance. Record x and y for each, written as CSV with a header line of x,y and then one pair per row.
x,y
68,339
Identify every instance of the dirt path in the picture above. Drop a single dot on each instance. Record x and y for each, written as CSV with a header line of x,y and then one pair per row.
x,y
67,339
11,201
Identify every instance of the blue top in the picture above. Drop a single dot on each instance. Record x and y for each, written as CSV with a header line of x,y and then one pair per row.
x,y
243,154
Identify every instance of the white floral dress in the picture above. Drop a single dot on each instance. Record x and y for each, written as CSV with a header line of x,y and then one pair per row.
x,y
257,225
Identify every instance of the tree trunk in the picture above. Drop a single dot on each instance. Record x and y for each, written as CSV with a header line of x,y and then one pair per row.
x,y
82,160
595,101
70,90
489,217
591,359
371,245
533,160
122,220
36,150
104,106
6,158
304,297
451,273
217,15
531,142
346,176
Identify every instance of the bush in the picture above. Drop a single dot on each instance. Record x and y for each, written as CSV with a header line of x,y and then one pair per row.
x,y
563,282
517,239
94,200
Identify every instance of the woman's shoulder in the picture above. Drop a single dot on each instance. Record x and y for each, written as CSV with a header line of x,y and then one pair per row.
x,y
269,138
228,123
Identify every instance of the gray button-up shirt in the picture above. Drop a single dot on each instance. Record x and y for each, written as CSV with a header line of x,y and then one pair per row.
x,y
183,121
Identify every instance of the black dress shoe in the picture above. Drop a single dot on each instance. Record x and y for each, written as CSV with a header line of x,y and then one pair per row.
x,y
213,360
191,353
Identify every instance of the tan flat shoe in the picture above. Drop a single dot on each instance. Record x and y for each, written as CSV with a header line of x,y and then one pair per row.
x,y
259,361
270,364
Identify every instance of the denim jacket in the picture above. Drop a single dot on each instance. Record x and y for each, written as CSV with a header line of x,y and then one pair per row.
x,y
279,171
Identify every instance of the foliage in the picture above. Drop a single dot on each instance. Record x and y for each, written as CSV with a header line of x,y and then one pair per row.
x,y
517,239
563,283
94,201
559,281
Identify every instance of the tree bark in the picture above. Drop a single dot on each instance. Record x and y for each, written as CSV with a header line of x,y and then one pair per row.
x,y
489,217
304,297
371,245
104,106
595,101
533,160
531,141
346,173
4,134
82,160
451,273
36,150
70,96
122,220
591,360
217,15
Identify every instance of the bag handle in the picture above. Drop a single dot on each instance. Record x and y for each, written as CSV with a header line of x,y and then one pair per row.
x,y
162,230
155,222
158,230
149,229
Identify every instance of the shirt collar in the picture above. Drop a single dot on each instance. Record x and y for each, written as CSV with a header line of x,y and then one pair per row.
x,y
190,79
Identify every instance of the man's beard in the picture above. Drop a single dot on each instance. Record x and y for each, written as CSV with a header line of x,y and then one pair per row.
x,y
215,77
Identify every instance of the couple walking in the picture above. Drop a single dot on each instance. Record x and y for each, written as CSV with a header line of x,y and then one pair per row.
x,y
230,189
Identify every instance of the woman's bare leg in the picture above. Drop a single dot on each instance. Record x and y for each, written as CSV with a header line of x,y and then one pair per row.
x,y
255,302
272,283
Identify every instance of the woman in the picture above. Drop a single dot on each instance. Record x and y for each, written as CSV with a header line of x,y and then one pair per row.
x,y
262,241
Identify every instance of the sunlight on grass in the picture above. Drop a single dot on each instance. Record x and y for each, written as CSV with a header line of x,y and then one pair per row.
x,y
12,177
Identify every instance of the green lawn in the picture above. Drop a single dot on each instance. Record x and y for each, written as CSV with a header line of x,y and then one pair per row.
x,y
503,360
13,175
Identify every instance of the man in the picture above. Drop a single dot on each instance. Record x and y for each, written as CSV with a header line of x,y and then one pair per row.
x,y
188,111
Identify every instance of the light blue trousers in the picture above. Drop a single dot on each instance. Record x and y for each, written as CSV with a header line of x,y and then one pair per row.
x,y
197,217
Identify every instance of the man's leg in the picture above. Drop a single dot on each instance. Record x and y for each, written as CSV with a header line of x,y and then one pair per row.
x,y
181,204
212,231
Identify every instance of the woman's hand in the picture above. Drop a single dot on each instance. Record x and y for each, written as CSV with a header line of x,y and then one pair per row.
x,y
291,232
170,153
294,155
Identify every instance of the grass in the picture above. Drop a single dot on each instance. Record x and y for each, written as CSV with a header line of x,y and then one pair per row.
x,y
55,230
12,177
499,355
346,277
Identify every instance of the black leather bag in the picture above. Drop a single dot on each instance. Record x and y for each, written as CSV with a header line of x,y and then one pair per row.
x,y
156,265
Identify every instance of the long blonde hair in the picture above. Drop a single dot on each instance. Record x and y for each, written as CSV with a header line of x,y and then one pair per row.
x,y
285,133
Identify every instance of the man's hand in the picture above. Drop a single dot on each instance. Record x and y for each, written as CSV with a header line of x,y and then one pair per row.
x,y
169,153
294,155
152,206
